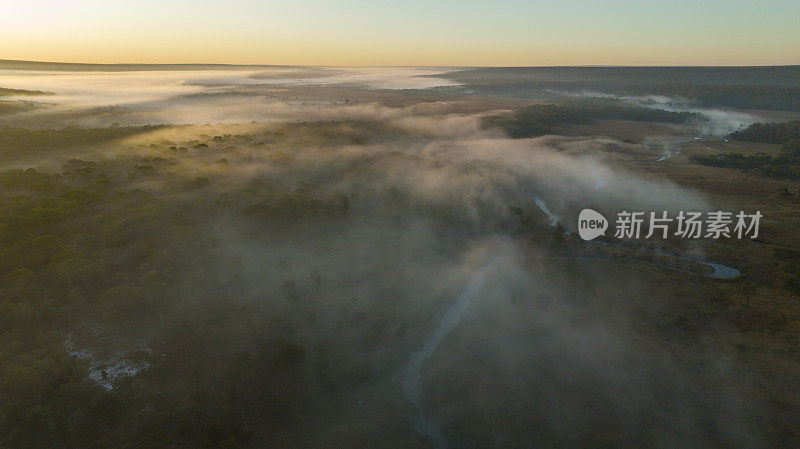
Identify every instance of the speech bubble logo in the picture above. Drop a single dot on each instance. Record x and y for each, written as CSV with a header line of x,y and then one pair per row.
x,y
591,224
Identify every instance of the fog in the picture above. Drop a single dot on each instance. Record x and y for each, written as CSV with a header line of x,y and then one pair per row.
x,y
426,268
143,88
720,122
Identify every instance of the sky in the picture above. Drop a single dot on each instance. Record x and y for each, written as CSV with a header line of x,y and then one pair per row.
x,y
409,32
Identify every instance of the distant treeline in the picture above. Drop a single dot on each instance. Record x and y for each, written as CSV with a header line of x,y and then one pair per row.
x,y
38,141
4,92
769,132
534,120
538,120
741,96
772,88
11,107
784,166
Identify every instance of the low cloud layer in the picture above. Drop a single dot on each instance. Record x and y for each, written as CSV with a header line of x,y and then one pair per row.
x,y
353,229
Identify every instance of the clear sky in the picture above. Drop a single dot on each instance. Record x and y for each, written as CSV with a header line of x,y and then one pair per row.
x,y
410,32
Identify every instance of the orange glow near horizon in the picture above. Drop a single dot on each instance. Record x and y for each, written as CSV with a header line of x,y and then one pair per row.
x,y
360,33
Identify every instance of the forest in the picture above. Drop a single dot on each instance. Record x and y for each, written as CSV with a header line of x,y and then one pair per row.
x,y
769,132
221,258
539,120
85,245
730,87
783,166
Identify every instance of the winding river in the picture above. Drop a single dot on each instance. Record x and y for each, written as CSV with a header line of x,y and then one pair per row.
x,y
411,378
720,271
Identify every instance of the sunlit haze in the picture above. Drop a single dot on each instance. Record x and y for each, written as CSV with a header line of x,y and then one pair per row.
x,y
399,225
316,32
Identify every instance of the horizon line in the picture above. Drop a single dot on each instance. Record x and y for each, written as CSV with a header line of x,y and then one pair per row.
x,y
461,66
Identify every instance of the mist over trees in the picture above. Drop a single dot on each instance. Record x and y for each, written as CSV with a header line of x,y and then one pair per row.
x,y
539,120
732,87
260,265
769,132
783,166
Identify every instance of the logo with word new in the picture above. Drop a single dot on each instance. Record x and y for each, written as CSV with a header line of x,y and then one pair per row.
x,y
591,224
686,225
